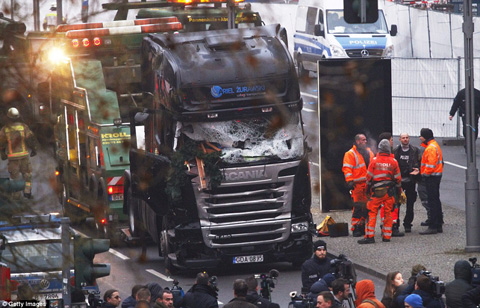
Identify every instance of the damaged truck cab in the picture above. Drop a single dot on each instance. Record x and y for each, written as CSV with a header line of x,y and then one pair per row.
x,y
218,162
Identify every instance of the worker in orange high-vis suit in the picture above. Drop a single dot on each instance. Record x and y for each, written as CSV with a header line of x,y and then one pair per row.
x,y
355,164
383,179
15,139
431,169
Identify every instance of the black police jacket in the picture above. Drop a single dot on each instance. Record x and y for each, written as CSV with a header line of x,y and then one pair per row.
x,y
200,296
260,302
313,269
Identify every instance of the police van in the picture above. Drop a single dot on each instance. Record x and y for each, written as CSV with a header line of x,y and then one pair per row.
x,y
321,32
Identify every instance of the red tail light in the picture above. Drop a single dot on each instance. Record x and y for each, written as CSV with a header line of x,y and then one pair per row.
x,y
86,42
117,189
75,43
97,41
103,221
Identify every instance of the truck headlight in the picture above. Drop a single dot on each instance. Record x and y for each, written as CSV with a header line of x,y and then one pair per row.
x,y
338,52
299,227
388,51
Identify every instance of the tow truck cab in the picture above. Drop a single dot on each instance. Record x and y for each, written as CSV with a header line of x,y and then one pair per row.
x,y
219,168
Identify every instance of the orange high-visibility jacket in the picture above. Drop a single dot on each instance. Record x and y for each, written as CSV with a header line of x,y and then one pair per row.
x,y
354,167
432,160
14,137
384,168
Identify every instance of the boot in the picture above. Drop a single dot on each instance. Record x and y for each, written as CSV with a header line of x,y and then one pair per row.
x,y
429,231
396,232
357,231
366,240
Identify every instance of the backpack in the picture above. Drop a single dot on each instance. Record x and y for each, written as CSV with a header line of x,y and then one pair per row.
x,y
370,302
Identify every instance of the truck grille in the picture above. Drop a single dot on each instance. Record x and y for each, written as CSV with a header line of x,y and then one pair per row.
x,y
248,212
357,53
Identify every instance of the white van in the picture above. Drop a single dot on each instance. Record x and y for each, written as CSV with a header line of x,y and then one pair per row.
x,y
321,32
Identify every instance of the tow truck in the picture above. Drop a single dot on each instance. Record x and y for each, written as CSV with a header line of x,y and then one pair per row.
x,y
218,163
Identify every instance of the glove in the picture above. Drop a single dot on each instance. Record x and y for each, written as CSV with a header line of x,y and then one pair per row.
x,y
33,153
402,199
4,156
350,185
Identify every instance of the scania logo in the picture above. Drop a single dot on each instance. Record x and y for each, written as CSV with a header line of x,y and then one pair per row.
x,y
216,91
233,176
364,53
44,284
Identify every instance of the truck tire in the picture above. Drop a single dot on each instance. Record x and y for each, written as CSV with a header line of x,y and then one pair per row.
x,y
165,247
133,224
301,71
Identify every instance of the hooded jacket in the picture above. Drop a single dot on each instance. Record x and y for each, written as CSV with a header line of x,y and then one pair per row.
x,y
200,296
471,299
456,288
365,289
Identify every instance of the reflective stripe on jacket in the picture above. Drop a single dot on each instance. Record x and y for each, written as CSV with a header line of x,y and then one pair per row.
x,y
432,160
13,137
384,168
354,167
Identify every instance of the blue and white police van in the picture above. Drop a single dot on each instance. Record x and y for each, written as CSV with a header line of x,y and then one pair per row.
x,y
321,32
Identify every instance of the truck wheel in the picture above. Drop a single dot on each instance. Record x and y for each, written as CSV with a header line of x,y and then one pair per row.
x,y
301,71
165,247
133,222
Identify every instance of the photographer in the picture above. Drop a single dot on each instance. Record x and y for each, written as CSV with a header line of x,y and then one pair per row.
x,y
471,299
201,295
425,288
253,296
456,288
317,266
341,292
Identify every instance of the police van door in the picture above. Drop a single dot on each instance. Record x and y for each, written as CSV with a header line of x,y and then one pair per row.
x,y
315,31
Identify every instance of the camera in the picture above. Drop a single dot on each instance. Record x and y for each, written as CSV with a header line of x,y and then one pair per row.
x,y
475,272
344,268
213,283
94,299
177,291
267,282
438,286
300,301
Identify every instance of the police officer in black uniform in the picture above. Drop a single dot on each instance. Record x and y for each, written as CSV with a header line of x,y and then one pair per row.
x,y
317,266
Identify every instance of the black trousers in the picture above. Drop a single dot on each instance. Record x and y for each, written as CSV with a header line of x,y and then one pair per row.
x,y
433,190
475,126
411,193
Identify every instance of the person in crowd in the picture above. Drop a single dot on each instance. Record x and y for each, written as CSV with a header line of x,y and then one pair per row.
x,y
365,290
422,191
355,164
316,267
423,288
459,105
142,304
340,291
408,159
240,290
455,289
164,300
471,299
111,299
431,170
25,292
15,140
393,287
325,300
155,291
143,295
130,301
255,298
384,179
413,301
417,268
323,284
201,294
396,206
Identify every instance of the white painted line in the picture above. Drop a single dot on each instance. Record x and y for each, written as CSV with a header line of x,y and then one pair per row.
x,y
81,234
118,254
308,110
315,164
159,275
455,165
308,94
219,302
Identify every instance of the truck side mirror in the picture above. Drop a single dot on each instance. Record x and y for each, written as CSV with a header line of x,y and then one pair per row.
x,y
394,30
318,30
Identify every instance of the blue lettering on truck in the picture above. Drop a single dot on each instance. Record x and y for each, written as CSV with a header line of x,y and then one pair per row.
x,y
366,43
218,91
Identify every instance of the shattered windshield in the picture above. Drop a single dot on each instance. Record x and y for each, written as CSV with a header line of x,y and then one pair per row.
x,y
266,138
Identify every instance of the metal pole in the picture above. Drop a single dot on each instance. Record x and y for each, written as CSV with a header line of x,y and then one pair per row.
x,y
36,15
59,12
66,261
472,209
363,11
231,14
12,9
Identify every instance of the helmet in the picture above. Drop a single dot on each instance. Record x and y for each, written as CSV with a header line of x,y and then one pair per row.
x,y
53,6
13,113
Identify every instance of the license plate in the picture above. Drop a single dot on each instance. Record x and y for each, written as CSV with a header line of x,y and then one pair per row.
x,y
248,259
117,197
43,297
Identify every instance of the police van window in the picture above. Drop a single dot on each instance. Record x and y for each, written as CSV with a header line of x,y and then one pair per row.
x,y
320,17
311,19
300,22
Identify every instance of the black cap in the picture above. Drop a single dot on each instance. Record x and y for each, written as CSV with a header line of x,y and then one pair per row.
x,y
319,245
426,133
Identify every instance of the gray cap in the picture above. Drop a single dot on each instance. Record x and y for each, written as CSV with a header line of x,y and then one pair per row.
x,y
384,146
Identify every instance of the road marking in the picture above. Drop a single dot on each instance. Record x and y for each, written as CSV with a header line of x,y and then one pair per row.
x,y
455,165
159,275
315,164
308,110
80,233
308,94
118,254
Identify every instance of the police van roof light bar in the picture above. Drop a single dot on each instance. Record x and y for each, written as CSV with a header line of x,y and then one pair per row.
x,y
171,26
117,23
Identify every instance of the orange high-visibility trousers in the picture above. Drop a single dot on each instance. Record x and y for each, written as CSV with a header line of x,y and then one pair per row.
x,y
394,214
373,206
359,212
